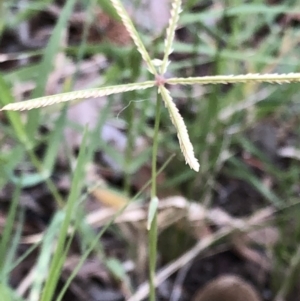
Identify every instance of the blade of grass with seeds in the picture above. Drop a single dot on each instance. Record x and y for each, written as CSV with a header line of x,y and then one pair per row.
x,y
182,134
274,78
69,96
134,34
176,10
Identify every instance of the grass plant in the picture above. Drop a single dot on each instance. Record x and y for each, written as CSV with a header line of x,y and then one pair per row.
x,y
218,115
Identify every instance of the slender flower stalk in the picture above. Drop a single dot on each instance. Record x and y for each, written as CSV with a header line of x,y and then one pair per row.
x,y
153,224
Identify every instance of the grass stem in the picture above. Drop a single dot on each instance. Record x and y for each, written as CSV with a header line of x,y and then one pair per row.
x,y
153,228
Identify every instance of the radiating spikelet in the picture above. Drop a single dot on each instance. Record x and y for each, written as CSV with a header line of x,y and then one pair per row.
x,y
134,34
182,134
176,10
274,78
83,94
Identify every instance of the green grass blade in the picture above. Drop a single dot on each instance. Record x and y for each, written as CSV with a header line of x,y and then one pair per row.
x,y
241,171
230,54
54,142
238,10
42,266
23,256
92,246
15,240
59,255
7,294
46,66
8,228
108,8
14,118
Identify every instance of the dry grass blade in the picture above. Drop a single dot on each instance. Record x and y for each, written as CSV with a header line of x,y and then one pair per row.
x,y
182,133
83,94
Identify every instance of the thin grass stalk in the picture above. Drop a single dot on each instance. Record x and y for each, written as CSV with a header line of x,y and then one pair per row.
x,y
7,232
153,228
84,39
152,257
129,146
289,277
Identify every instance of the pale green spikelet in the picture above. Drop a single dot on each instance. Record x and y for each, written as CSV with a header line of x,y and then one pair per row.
x,y
182,133
82,94
176,10
134,34
273,78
